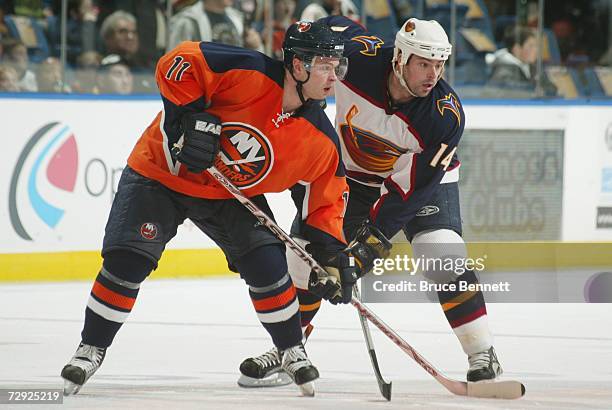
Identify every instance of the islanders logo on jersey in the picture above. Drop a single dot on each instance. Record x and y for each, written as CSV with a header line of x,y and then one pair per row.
x,y
246,155
370,44
43,181
449,102
368,150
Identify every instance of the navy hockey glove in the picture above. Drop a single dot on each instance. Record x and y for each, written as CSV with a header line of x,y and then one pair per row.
x,y
342,274
201,133
369,244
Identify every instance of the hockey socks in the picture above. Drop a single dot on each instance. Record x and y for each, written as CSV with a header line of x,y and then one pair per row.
x,y
278,311
466,312
309,306
110,302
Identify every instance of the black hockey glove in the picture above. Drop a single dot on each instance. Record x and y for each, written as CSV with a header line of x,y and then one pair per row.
x,y
336,286
369,244
201,133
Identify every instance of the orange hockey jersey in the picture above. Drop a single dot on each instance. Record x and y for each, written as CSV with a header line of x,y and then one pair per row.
x,y
263,149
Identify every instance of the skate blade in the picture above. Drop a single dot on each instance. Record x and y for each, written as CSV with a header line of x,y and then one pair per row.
x,y
71,388
307,389
274,380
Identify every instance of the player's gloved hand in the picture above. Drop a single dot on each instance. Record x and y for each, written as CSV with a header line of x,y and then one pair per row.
x,y
337,282
369,244
201,133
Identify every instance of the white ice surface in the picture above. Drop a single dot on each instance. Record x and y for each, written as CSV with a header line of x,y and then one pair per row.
x,y
184,341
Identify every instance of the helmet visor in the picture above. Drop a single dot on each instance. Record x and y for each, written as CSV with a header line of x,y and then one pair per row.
x,y
325,65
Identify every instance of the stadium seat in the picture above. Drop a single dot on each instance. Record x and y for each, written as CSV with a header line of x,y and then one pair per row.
x,y
380,19
566,80
592,83
604,75
31,35
550,49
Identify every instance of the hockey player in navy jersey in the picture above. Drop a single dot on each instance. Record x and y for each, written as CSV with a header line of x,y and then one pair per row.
x,y
399,124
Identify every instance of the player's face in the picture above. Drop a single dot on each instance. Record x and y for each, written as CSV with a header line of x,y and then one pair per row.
x,y
323,76
422,74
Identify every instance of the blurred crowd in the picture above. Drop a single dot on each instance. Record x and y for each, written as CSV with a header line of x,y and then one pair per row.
x,y
112,46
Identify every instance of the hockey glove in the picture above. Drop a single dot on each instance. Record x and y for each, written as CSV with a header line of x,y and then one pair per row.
x,y
369,244
336,286
201,133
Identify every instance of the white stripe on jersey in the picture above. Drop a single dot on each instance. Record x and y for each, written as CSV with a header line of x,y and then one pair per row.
x,y
403,172
172,167
306,199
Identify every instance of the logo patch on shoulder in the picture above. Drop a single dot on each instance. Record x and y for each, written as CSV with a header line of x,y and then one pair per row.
x,y
450,103
370,44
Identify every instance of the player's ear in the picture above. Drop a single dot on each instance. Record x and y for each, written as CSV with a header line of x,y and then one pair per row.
x,y
298,68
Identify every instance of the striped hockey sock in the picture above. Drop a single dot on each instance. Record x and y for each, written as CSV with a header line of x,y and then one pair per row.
x,y
110,302
278,311
466,312
309,306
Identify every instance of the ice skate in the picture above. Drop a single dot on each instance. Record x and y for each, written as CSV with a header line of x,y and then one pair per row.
x,y
81,367
484,366
296,364
263,371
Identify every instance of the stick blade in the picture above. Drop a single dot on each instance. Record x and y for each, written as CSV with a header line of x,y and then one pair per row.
x,y
496,390
385,390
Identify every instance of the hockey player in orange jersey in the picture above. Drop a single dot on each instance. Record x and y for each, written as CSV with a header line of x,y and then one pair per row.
x,y
260,122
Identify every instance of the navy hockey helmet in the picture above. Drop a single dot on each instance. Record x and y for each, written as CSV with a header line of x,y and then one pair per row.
x,y
306,40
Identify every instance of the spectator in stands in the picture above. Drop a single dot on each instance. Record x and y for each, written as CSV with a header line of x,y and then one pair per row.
x,y
513,66
120,36
86,72
49,76
315,11
212,20
114,76
283,18
151,27
81,28
16,55
8,79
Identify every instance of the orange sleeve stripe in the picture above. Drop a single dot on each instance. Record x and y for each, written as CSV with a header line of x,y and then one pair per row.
x,y
274,302
112,297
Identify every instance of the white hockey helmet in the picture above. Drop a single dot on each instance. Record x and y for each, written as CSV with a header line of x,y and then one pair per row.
x,y
425,38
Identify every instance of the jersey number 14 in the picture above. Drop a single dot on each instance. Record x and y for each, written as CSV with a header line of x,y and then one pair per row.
x,y
447,158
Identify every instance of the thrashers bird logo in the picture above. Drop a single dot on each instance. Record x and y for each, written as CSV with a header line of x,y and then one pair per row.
x,y
450,103
371,44
369,151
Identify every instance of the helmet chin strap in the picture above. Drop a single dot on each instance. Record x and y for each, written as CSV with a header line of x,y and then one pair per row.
x,y
299,85
399,75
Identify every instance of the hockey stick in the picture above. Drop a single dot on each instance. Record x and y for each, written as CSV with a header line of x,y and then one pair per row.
x,y
494,389
383,386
